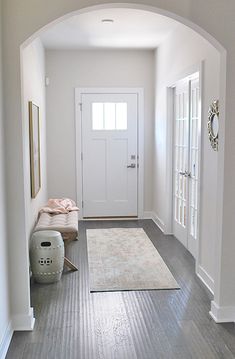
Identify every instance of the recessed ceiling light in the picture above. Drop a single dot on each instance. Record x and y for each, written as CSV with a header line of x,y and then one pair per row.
x,y
107,21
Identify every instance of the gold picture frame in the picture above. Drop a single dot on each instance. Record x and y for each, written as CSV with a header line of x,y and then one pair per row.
x,y
34,142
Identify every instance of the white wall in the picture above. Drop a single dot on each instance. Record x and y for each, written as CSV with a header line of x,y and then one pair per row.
x,y
5,321
22,221
33,76
180,52
93,68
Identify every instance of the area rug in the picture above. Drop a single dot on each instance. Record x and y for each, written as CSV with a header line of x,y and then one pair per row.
x,y
125,259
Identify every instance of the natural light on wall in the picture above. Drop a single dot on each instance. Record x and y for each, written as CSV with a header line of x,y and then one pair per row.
x,y
109,116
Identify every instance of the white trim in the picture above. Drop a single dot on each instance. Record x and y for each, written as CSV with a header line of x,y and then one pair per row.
x,y
205,278
169,159
151,215
200,168
158,222
155,219
78,129
222,314
78,151
6,340
24,322
188,72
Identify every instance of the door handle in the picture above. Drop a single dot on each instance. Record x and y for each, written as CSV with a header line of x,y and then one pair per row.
x,y
132,165
185,174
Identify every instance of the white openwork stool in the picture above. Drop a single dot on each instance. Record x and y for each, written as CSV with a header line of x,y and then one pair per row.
x,y
66,224
47,256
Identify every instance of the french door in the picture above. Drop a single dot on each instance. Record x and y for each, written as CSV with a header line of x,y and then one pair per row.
x,y
186,162
110,154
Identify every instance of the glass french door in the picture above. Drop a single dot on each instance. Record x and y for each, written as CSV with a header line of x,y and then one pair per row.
x,y
186,162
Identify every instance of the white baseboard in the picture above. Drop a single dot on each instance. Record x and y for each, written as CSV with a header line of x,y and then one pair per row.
x,y
5,342
156,219
159,222
23,322
206,278
18,322
222,314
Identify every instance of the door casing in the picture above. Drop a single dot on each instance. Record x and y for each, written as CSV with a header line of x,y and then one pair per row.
x,y
140,139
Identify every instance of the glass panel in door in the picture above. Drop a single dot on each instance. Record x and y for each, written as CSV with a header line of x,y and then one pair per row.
x,y
186,162
181,161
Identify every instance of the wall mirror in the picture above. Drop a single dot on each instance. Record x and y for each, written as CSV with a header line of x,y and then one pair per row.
x,y
213,124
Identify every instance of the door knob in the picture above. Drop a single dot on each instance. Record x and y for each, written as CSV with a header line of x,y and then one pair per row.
x,y
185,174
132,165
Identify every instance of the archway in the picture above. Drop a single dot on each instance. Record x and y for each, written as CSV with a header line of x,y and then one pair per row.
x,y
183,20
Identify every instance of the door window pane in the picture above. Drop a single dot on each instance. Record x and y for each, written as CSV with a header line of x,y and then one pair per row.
x,y
109,116
121,116
97,116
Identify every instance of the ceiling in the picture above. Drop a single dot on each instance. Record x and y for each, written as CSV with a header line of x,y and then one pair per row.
x,y
131,28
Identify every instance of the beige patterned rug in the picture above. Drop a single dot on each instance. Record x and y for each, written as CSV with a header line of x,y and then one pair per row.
x,y
125,259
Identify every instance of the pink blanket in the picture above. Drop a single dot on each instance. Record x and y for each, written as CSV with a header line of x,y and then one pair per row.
x,y
59,205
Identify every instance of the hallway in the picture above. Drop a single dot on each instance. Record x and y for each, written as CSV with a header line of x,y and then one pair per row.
x,y
72,323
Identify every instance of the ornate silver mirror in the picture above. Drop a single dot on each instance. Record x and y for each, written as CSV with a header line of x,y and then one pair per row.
x,y
213,124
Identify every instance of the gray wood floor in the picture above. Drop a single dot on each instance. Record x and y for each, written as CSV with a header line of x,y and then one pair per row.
x,y
71,323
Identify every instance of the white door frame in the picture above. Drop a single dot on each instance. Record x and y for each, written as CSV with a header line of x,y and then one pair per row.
x,y
169,145
140,139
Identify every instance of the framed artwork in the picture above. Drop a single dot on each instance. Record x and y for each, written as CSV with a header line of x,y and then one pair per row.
x,y
34,140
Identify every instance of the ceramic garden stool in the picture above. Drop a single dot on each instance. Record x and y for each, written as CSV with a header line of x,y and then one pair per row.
x,y
66,224
47,256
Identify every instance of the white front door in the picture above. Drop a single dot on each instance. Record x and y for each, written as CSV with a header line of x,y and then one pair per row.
x,y
186,162
110,155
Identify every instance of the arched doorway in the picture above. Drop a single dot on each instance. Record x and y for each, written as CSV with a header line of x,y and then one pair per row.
x,y
23,245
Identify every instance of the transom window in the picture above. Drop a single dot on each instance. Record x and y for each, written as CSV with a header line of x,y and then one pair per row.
x,y
109,116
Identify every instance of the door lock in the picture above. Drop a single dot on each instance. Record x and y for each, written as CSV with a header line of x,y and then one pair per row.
x,y
132,165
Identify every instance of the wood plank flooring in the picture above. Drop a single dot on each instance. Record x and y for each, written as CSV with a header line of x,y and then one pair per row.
x,y
72,323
